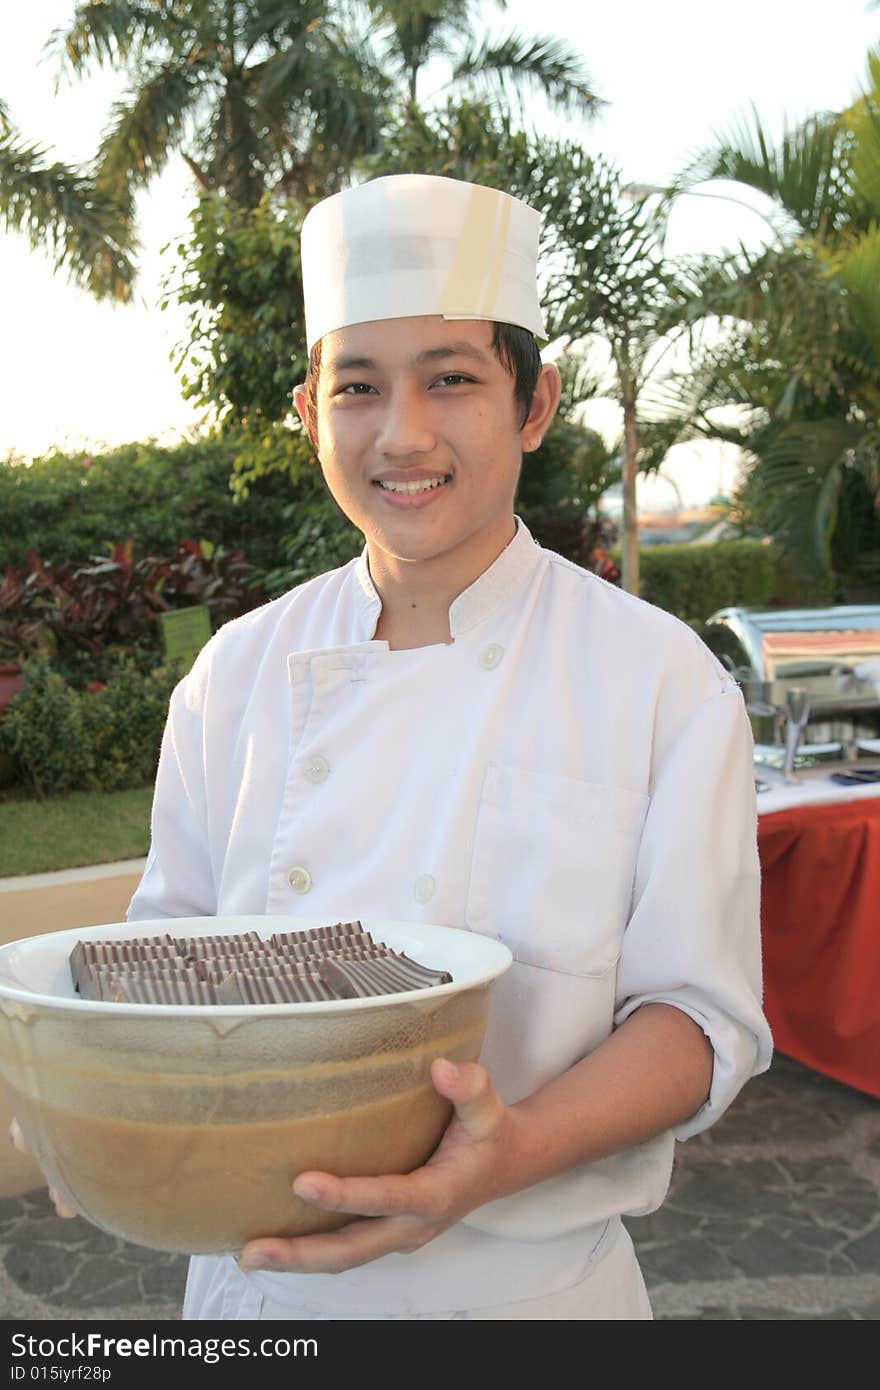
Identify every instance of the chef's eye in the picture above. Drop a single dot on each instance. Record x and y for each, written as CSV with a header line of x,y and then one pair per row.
x,y
453,379
355,388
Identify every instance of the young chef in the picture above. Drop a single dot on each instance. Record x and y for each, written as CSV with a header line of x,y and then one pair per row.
x,y
464,728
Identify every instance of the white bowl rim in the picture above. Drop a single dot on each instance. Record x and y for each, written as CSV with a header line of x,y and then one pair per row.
x,y
499,958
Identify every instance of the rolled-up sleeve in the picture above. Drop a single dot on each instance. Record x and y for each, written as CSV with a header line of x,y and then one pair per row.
x,y
178,879
693,938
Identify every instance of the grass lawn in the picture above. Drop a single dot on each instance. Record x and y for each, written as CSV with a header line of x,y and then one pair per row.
x,y
64,832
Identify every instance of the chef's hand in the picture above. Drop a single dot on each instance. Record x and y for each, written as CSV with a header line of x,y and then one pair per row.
x,y
16,1139
408,1210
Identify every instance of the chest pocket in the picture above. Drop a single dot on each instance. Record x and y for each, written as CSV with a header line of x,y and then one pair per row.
x,y
553,867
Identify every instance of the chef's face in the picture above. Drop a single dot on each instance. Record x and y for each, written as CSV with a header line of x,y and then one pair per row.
x,y
420,436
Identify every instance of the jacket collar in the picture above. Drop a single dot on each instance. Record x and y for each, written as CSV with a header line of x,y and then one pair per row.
x,y
499,584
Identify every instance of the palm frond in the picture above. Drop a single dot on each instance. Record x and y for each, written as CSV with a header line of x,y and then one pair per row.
x,y
518,63
323,108
145,127
109,32
421,29
863,120
807,173
409,35
68,214
857,267
657,437
584,377
234,149
795,486
286,71
798,309
279,19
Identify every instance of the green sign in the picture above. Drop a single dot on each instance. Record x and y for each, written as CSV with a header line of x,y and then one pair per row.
x,y
184,632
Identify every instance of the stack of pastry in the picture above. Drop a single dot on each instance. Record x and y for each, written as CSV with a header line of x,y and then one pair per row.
x,y
339,961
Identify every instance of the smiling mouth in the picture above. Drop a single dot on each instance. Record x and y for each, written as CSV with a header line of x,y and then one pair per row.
x,y
412,489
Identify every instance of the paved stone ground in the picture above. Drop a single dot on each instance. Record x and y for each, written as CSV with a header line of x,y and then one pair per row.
x,y
774,1214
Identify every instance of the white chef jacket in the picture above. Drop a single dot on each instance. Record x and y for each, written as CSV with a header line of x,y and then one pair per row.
x,y
572,774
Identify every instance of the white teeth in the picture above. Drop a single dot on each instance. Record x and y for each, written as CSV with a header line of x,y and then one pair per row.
x,y
411,488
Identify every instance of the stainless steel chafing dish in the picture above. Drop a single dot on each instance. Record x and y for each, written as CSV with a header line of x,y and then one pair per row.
x,y
833,654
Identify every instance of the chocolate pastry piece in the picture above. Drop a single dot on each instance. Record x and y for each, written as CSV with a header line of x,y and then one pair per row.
x,y
356,979
98,978
221,945
239,987
116,953
338,929
144,989
316,938
312,954
216,967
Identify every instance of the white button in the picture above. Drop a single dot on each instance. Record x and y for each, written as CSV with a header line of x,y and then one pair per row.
x,y
424,889
317,768
299,879
491,656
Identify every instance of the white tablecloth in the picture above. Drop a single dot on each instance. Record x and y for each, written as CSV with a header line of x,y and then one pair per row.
x,y
815,788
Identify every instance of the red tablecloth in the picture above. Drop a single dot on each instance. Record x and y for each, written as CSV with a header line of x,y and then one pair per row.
x,y
820,919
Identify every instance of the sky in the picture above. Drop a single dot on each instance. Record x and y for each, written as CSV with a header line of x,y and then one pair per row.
x,y
75,374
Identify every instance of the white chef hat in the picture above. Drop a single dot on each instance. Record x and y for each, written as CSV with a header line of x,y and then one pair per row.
x,y
419,244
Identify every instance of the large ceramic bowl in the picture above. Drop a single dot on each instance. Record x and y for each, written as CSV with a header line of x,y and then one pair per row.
x,y
183,1127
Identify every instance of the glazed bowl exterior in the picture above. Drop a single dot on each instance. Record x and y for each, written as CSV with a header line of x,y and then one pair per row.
x,y
182,1128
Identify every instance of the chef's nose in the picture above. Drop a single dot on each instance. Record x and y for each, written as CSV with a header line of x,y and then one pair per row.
x,y
405,426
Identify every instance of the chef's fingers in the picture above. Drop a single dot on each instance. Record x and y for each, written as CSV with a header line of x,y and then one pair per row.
x,y
479,1110
61,1207
478,1107
16,1139
346,1248
409,1194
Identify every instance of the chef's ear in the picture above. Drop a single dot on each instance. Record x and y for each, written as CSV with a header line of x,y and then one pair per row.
x,y
305,411
545,403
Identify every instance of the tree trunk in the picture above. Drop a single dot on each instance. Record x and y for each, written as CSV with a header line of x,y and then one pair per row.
x,y
630,547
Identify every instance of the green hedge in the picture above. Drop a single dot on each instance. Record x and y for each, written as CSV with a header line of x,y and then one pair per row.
x,y
694,581
71,506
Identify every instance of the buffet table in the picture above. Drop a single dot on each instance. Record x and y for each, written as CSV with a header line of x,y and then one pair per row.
x,y
819,845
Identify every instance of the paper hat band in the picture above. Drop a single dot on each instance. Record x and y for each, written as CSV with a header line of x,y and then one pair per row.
x,y
417,244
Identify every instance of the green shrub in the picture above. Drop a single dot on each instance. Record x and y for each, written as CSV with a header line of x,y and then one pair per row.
x,y
43,731
123,726
240,276
69,507
694,581
106,738
321,538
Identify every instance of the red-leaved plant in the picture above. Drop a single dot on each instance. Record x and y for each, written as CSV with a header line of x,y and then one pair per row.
x,y
112,602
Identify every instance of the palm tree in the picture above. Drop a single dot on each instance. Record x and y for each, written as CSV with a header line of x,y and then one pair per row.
x,y
67,212
804,361
258,94
284,96
614,290
253,94
512,67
